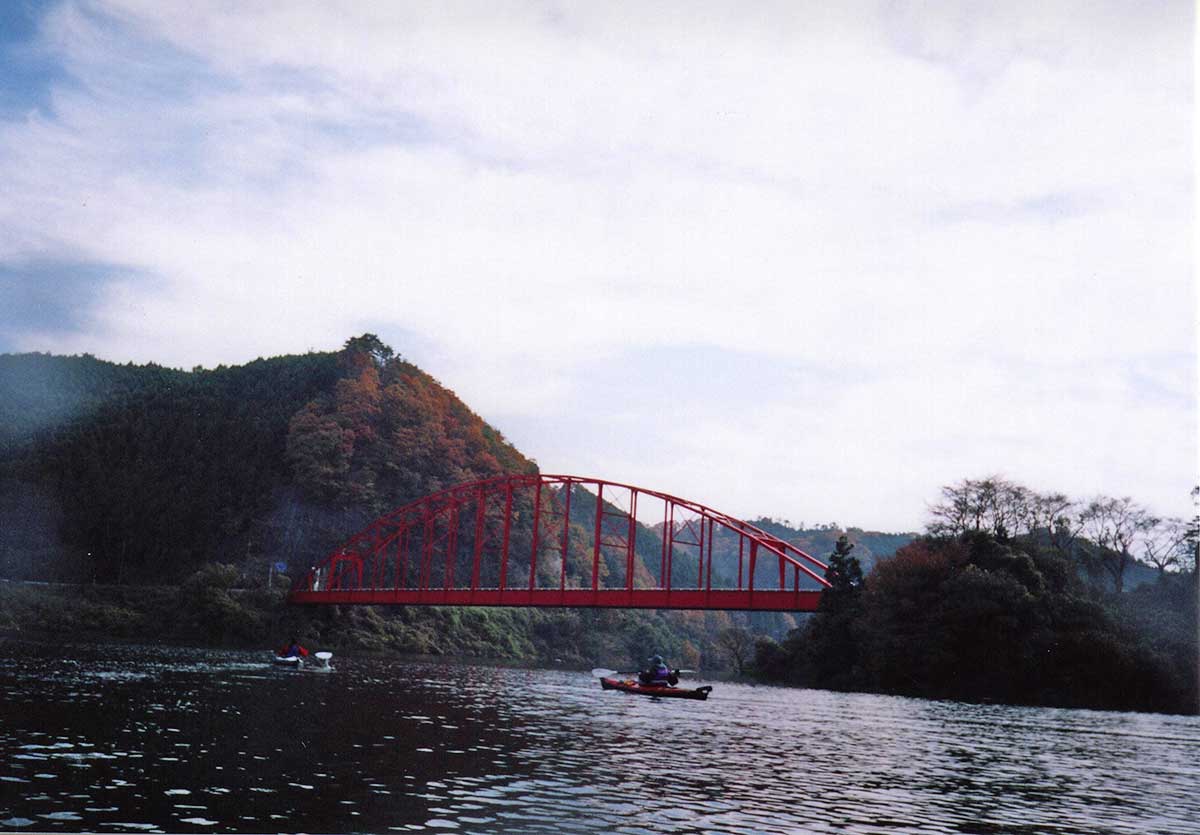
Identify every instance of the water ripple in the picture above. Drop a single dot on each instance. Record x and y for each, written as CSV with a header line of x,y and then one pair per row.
x,y
141,739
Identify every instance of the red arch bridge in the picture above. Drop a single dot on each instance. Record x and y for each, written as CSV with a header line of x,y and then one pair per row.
x,y
560,540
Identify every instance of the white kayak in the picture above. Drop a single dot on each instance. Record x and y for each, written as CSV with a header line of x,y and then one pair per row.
x,y
296,662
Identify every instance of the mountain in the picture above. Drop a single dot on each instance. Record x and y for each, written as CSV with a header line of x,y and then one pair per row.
x,y
142,474
869,546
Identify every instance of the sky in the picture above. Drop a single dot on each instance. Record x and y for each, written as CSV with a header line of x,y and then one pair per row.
x,y
805,260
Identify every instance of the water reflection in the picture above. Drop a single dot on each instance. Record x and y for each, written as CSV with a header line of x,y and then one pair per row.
x,y
146,739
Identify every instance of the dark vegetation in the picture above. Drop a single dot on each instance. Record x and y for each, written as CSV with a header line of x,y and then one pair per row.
x,y
972,611
212,609
142,475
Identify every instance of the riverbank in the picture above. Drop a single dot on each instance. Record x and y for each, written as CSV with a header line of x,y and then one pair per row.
x,y
208,611
203,614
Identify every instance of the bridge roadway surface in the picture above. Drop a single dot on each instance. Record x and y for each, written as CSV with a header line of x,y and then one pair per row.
x,y
764,600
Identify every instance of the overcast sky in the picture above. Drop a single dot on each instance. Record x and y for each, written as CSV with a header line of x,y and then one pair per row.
x,y
807,260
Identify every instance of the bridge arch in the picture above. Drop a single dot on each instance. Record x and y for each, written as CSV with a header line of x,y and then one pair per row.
x,y
562,540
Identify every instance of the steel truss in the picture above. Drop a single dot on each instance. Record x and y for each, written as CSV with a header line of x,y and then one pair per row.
x,y
516,540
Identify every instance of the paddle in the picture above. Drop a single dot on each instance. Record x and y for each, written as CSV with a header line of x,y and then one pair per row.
x,y
600,672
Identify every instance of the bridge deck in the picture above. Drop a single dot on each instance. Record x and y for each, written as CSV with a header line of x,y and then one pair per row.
x,y
767,600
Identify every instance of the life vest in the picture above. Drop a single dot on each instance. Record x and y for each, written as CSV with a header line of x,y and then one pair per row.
x,y
660,675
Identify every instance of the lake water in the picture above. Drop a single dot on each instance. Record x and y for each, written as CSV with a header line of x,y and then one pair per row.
x,y
150,739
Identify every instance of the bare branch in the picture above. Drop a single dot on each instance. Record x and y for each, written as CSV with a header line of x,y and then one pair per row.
x,y
1162,544
1114,525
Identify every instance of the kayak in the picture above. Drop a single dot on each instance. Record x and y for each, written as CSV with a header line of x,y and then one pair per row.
x,y
630,685
296,662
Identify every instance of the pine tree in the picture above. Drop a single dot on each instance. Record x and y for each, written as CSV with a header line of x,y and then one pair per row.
x,y
833,644
844,575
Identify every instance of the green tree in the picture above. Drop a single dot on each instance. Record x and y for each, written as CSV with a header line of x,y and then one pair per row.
x,y
833,635
738,646
319,450
369,347
845,576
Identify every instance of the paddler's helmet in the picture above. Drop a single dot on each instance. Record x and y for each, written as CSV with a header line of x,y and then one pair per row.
x,y
657,659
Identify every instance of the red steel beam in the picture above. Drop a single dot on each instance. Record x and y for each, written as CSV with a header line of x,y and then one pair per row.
x,y
341,579
599,535
537,519
562,584
507,531
631,541
725,599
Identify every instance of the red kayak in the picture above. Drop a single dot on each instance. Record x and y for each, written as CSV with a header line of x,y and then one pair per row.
x,y
631,685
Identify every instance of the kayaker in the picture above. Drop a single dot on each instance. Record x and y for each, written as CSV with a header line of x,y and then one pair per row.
x,y
293,649
658,674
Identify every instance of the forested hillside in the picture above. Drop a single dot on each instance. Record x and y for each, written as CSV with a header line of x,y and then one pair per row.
x,y
142,475
44,393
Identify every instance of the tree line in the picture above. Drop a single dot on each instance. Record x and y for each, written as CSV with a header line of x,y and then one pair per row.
x,y
1011,596
1105,533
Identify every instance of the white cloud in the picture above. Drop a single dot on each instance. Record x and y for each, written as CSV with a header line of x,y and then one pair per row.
x,y
936,196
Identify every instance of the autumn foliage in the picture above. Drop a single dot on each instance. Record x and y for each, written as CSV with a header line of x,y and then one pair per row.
x,y
389,433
